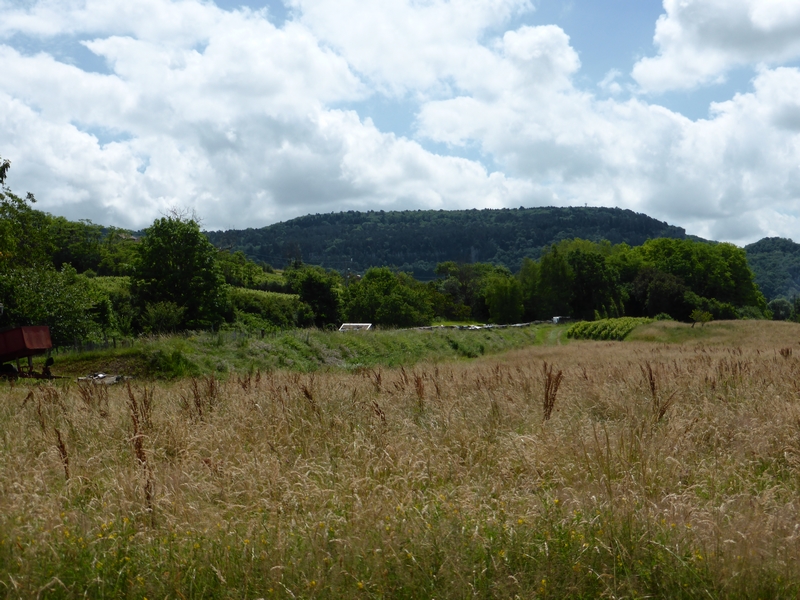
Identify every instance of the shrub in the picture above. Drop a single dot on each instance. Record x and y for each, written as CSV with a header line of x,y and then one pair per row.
x,y
279,310
700,316
162,317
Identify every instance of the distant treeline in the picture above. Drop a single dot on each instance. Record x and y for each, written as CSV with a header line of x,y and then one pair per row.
x,y
89,282
416,241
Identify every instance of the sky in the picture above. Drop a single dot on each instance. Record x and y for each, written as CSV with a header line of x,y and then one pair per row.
x,y
250,112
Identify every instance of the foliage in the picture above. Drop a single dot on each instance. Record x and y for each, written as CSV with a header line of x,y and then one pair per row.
x,y
24,239
700,316
319,289
716,271
776,265
654,292
273,310
240,271
555,286
605,329
177,264
416,241
43,296
466,285
162,317
781,309
595,287
504,299
385,298
529,287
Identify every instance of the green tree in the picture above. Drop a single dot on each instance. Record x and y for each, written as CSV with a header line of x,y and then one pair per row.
x,y
781,309
529,286
176,263
25,239
717,271
76,243
465,283
555,284
594,285
318,288
504,298
44,296
386,298
654,292
700,316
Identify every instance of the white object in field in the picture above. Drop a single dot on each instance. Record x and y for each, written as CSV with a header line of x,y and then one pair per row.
x,y
355,327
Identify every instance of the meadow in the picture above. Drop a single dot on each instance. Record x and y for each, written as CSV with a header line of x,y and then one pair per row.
x,y
582,469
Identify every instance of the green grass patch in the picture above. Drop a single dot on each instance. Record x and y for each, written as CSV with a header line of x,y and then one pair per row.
x,y
438,553
175,356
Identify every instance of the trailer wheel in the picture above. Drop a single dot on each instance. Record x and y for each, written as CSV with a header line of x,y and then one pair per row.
x,y
8,371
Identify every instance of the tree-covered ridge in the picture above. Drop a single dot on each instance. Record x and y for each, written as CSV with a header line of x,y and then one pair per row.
x,y
776,265
416,241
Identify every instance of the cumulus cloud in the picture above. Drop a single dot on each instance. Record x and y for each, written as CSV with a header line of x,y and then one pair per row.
x,y
699,41
240,128
406,46
249,123
717,176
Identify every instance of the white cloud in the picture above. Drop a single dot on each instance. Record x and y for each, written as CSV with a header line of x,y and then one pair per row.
x,y
716,176
408,45
241,129
699,41
249,123
609,83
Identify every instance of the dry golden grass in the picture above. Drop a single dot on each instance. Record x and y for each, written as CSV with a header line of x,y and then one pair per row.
x,y
664,470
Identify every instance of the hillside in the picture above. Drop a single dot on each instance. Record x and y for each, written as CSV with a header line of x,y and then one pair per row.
x,y
776,265
415,241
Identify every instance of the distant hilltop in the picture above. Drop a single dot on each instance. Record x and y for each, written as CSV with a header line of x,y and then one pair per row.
x,y
776,265
416,241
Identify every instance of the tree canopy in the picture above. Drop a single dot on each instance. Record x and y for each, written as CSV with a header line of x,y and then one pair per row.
x,y
176,263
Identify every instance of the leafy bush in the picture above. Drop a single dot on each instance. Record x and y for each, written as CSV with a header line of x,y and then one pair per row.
x,y
278,310
172,364
162,317
605,329
700,316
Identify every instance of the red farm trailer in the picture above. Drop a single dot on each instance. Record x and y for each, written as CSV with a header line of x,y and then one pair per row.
x,y
24,342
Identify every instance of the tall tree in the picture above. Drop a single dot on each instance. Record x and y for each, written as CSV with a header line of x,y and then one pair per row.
x,y
595,285
555,284
176,263
318,288
529,286
504,298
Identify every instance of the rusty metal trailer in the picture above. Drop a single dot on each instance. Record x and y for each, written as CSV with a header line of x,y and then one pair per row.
x,y
24,342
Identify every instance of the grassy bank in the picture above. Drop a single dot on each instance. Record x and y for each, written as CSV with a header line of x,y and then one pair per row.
x,y
298,350
720,333
664,471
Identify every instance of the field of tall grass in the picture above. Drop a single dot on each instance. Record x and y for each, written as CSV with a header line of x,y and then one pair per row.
x,y
593,469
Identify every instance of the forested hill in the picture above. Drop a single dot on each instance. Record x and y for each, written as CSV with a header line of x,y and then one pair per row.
x,y
415,241
776,265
